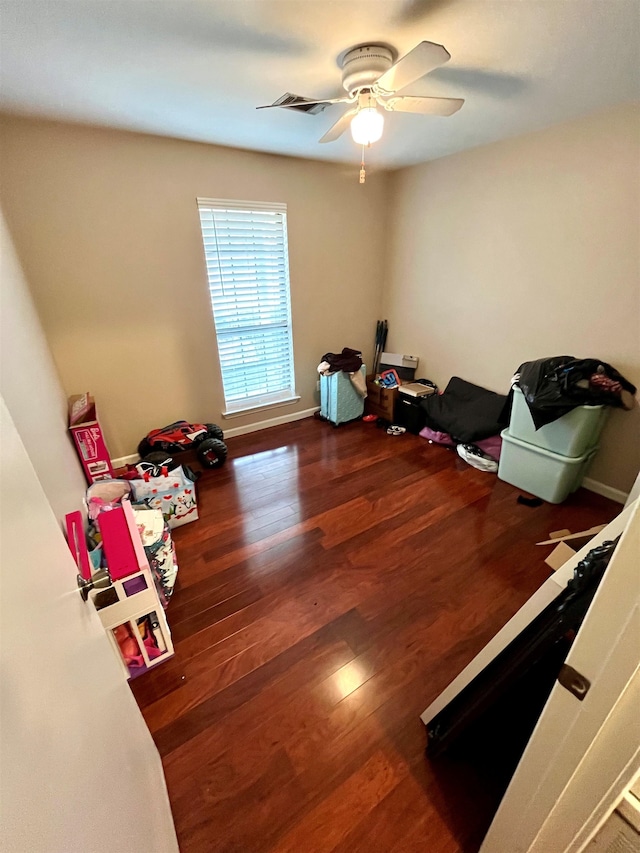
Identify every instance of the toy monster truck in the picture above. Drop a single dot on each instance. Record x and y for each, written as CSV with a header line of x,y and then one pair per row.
x,y
206,438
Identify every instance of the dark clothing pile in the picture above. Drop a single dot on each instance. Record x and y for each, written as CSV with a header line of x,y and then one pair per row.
x,y
554,386
349,361
466,412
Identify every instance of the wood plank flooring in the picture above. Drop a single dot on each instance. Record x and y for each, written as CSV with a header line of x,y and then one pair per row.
x,y
336,582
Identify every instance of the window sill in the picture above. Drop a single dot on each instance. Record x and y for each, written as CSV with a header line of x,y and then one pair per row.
x,y
238,413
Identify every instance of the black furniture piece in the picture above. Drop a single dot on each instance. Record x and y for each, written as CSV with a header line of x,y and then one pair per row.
x,y
409,413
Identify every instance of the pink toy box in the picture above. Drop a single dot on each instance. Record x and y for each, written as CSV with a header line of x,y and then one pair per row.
x,y
87,435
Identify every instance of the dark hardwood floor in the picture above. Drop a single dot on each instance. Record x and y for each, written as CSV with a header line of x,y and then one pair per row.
x,y
336,582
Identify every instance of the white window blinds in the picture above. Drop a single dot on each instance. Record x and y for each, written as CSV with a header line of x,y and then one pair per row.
x,y
245,247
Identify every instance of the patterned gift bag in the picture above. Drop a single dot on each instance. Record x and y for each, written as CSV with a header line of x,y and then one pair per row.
x,y
172,492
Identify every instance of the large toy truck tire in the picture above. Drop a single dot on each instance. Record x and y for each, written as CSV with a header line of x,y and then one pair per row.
x,y
159,458
212,453
144,448
214,431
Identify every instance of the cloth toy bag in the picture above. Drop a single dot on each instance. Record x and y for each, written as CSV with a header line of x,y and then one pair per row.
x,y
159,548
105,495
172,492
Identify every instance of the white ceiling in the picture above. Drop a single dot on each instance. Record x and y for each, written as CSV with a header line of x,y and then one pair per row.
x,y
196,69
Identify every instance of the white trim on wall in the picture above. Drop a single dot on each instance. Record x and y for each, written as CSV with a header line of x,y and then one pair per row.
x,y
592,485
606,491
283,419
121,461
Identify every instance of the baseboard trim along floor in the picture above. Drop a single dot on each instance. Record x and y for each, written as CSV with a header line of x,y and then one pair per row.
x,y
592,485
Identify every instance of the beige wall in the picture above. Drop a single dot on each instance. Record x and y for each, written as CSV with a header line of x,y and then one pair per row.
x,y
515,251
31,388
71,732
523,249
106,226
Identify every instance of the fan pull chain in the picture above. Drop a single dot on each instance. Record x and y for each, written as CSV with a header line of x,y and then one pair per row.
x,y
363,174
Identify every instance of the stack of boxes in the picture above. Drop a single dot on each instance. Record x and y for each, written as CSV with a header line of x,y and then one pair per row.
x,y
382,401
552,461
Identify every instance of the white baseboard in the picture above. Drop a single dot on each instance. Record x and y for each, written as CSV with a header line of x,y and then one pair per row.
x,y
125,460
592,485
230,433
604,490
283,419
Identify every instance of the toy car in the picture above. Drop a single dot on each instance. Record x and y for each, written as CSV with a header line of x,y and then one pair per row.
x,y
181,435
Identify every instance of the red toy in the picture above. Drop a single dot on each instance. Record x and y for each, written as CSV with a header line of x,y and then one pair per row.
x,y
390,379
181,435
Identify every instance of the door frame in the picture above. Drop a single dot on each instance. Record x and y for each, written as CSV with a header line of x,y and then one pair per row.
x,y
577,761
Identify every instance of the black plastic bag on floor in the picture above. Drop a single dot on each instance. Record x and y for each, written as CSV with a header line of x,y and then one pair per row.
x,y
554,386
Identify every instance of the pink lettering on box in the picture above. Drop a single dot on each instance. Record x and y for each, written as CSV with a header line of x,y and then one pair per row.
x,y
92,451
86,444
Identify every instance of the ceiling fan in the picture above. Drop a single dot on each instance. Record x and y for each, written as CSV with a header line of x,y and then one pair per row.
x,y
371,79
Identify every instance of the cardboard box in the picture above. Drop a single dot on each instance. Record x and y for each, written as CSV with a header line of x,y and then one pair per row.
x,y
404,365
559,556
564,535
563,552
380,401
88,438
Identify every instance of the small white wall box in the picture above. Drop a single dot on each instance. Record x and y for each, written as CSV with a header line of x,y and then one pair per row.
x,y
404,365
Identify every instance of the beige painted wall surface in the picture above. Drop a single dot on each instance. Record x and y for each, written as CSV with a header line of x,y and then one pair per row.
x,y
106,227
524,249
31,388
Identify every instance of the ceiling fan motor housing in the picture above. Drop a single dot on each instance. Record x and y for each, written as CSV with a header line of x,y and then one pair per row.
x,y
361,66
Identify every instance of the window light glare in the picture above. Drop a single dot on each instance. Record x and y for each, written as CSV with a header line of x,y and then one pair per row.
x,y
366,126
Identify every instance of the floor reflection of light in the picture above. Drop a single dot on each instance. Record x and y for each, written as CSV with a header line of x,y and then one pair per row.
x,y
268,489
264,456
349,678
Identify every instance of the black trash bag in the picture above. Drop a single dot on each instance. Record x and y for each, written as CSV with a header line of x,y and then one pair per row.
x,y
466,411
554,386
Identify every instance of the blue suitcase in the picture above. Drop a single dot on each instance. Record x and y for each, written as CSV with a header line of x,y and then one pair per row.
x,y
339,400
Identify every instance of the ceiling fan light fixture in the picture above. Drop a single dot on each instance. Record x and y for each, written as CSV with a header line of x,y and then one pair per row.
x,y
367,125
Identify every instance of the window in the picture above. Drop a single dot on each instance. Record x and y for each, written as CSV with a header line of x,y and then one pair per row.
x,y
245,247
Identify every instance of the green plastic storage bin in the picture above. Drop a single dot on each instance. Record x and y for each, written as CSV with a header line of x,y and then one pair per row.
x,y
540,472
574,434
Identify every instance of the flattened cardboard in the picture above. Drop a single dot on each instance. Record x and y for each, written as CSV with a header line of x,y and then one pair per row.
x,y
558,534
583,534
559,556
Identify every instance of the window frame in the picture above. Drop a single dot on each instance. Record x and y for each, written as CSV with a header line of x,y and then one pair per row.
x,y
287,395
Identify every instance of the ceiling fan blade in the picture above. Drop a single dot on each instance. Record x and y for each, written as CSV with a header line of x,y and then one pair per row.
x,y
303,102
339,127
423,58
425,106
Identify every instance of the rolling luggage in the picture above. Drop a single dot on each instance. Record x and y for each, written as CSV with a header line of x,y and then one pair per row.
x,y
339,400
